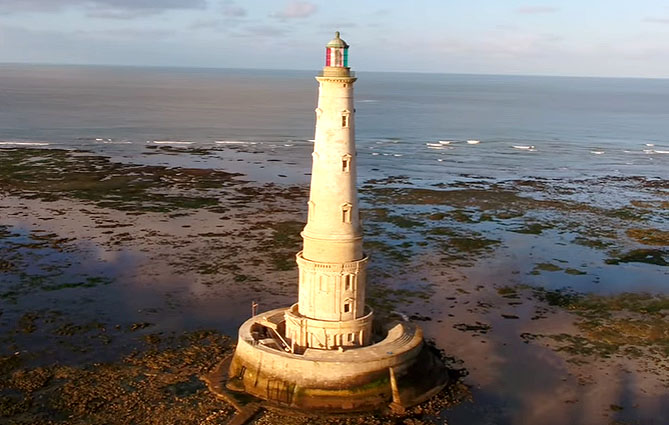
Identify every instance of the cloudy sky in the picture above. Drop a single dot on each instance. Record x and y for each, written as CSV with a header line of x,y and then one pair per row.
x,y
567,37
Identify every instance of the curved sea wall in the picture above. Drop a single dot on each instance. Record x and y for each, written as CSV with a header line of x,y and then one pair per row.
x,y
355,379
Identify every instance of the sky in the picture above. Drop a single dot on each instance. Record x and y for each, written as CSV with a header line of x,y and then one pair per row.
x,y
615,38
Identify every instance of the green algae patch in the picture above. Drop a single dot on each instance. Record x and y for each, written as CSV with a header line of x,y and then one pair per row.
x,y
157,384
603,306
532,228
461,216
478,327
51,174
560,298
391,252
592,243
508,292
384,300
657,257
591,305
497,201
545,267
472,244
628,324
283,244
403,222
437,216
286,234
662,205
655,237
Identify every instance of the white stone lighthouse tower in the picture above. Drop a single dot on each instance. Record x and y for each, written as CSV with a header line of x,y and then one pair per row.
x,y
331,311
319,354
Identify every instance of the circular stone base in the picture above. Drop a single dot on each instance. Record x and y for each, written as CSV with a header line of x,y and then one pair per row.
x,y
400,371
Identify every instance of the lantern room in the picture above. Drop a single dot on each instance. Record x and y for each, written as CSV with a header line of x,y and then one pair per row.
x,y
336,53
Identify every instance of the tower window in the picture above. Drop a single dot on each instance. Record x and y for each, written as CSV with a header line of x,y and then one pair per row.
x,y
345,118
346,163
351,337
347,307
346,213
347,282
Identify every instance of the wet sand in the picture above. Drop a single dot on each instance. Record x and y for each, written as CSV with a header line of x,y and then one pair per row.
x,y
122,283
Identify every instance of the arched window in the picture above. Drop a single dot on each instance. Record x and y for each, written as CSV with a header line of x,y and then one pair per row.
x,y
346,163
346,212
345,118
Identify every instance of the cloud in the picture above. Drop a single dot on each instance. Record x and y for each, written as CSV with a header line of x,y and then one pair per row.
x,y
296,10
657,20
265,31
234,11
127,33
118,9
536,10
203,24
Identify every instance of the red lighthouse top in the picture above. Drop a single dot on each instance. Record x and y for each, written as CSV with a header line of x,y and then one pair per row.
x,y
336,53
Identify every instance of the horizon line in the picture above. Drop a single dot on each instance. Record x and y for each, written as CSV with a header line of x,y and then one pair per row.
x,y
110,65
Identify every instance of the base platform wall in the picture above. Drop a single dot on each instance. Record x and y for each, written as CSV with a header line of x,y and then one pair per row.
x,y
368,378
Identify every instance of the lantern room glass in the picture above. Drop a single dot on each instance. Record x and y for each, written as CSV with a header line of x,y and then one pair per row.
x,y
336,57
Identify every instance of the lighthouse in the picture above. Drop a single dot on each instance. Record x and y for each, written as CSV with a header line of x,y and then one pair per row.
x,y
321,353
331,311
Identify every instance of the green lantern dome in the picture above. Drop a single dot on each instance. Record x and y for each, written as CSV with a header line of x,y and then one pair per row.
x,y
337,42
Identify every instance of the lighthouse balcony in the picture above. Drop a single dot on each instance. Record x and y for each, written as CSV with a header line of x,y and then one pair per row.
x,y
336,71
305,332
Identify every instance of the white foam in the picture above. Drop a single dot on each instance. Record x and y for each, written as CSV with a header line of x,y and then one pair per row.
x,y
171,142
231,142
114,142
445,142
473,142
524,147
657,151
375,153
597,152
24,143
650,144
436,147
434,144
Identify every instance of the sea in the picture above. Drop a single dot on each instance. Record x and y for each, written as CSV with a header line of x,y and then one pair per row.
x,y
429,127
425,129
